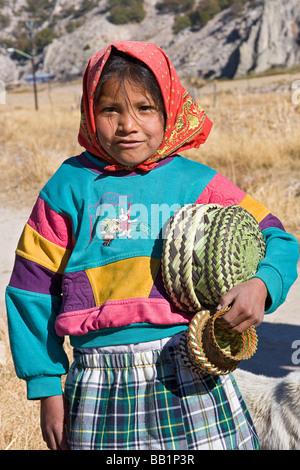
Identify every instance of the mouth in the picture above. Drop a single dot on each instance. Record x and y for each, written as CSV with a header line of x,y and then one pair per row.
x,y
127,144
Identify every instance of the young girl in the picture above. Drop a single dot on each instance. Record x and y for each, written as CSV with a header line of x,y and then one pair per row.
x,y
88,266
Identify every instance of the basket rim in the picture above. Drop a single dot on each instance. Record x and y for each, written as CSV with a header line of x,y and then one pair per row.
x,y
207,354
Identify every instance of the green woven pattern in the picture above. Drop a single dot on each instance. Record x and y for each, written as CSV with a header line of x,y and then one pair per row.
x,y
177,260
209,249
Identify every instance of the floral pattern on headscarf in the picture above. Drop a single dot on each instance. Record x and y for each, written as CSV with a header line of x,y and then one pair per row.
x,y
187,125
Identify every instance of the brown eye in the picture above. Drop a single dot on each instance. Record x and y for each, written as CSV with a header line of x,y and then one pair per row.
x,y
147,107
108,110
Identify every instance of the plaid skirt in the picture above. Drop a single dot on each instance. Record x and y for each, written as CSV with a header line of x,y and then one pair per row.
x,y
148,399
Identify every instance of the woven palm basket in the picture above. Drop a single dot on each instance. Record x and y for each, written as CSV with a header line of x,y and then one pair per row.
x,y
208,249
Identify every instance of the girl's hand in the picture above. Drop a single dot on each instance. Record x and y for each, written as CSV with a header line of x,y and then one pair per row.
x,y
248,304
54,412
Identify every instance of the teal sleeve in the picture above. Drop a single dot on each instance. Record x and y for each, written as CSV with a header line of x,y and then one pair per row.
x,y
37,351
278,269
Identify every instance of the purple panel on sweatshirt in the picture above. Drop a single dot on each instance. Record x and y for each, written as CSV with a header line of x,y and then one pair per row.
x,y
33,277
77,292
271,221
158,291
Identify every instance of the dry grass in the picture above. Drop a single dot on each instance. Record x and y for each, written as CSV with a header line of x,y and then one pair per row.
x,y
255,142
34,143
19,417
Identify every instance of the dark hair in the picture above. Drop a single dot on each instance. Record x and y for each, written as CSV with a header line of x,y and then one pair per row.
x,y
128,68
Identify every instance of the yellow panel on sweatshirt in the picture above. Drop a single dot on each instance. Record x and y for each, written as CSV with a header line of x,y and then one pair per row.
x,y
258,210
34,247
124,279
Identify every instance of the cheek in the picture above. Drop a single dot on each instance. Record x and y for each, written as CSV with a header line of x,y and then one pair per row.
x,y
157,131
104,129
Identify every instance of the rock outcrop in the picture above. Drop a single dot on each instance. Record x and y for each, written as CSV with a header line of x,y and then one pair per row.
x,y
262,36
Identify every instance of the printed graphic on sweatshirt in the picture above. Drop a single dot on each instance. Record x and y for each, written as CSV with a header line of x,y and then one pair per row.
x,y
117,216
111,218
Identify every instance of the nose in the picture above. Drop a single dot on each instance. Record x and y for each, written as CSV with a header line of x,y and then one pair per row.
x,y
127,122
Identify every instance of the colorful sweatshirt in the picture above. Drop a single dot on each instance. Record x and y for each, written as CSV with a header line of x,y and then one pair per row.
x,y
88,263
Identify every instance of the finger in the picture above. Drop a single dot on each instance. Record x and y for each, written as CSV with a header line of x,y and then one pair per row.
x,y
49,441
52,444
233,317
56,441
241,326
64,445
227,299
239,319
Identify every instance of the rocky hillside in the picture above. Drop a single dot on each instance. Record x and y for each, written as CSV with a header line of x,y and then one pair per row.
x,y
255,37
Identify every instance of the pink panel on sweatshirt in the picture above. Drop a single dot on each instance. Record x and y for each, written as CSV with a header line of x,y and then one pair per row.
x,y
55,227
221,191
119,313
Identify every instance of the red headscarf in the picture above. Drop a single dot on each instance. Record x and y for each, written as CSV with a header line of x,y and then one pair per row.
x,y
187,125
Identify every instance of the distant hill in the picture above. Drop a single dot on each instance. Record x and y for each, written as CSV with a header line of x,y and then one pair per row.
x,y
205,39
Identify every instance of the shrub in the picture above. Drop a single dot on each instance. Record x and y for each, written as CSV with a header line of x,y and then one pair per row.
x,y
119,15
4,21
73,25
39,10
137,12
204,12
22,42
209,8
43,38
181,22
128,11
175,6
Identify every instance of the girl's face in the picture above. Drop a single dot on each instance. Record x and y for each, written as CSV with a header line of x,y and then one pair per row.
x,y
129,126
